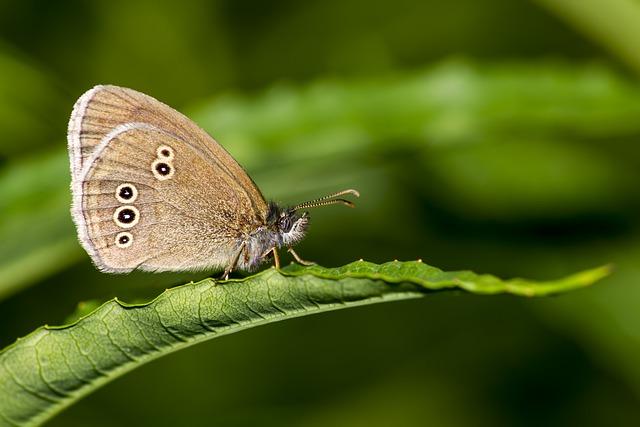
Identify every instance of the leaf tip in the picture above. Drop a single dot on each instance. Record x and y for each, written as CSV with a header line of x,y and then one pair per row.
x,y
591,276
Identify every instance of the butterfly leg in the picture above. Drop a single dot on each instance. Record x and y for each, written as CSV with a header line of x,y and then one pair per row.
x,y
276,257
227,272
298,259
232,266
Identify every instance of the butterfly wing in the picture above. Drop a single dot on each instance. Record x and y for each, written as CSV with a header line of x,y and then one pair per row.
x,y
176,211
104,107
153,197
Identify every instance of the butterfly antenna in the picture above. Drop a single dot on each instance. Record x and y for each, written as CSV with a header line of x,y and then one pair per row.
x,y
330,199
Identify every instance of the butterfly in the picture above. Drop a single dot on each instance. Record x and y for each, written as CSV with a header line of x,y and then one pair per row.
x,y
153,191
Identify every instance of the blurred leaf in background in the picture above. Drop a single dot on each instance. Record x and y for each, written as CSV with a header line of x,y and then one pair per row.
x,y
492,135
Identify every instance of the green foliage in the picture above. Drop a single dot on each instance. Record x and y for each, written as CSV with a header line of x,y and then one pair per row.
x,y
492,135
53,367
35,242
438,112
30,105
613,23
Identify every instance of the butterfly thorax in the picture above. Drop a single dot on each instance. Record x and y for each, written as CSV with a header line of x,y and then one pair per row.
x,y
284,227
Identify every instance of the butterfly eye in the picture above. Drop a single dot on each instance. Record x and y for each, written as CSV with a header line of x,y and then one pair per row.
x,y
124,239
126,193
284,224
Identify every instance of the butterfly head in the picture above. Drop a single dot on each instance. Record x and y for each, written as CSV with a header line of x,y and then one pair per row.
x,y
284,227
289,225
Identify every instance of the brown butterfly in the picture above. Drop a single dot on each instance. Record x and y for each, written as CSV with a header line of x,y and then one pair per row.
x,y
153,191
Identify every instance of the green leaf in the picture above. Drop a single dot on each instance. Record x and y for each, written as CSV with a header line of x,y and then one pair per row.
x,y
53,367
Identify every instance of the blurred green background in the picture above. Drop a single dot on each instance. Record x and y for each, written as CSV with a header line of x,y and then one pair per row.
x,y
495,135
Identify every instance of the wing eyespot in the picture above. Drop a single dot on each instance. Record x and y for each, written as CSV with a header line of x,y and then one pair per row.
x,y
126,216
126,193
165,152
162,169
124,239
